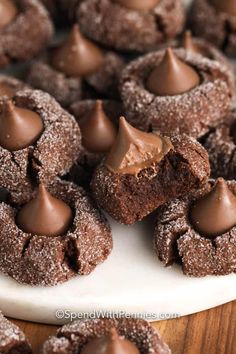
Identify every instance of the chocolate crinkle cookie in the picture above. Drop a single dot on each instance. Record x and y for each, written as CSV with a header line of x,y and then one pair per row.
x,y
12,339
145,170
64,89
221,146
68,77
25,29
131,336
130,26
218,19
199,231
192,96
10,85
43,145
33,252
98,121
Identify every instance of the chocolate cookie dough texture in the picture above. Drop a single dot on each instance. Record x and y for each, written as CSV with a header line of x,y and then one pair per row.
x,y
74,63
221,147
12,339
129,336
199,232
57,235
98,121
215,21
173,91
131,25
25,29
10,85
44,142
145,170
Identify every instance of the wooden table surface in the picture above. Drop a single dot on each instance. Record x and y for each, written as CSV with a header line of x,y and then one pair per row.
x,y
208,332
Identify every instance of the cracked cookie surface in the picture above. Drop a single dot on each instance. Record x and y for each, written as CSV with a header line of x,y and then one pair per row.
x,y
219,27
71,338
27,34
12,339
45,260
129,198
123,29
221,146
193,112
175,240
53,154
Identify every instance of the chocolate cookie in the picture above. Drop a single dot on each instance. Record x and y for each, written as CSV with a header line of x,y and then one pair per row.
x,y
95,68
130,26
10,85
174,91
98,121
145,170
218,19
199,231
12,339
45,142
37,258
25,29
221,146
129,335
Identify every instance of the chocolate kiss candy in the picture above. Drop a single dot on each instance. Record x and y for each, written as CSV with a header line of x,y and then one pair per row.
x,y
45,215
172,76
98,132
77,56
189,44
8,12
228,6
138,4
215,213
110,344
19,127
135,150
7,90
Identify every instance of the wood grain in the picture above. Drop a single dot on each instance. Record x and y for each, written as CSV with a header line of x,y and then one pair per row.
x,y
208,332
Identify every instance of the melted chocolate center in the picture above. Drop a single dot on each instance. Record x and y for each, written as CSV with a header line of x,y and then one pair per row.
x,y
135,150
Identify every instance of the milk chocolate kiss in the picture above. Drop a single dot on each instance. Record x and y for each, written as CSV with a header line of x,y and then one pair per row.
x,y
19,127
8,12
228,6
135,150
98,132
215,213
7,90
189,44
77,56
172,76
45,215
138,4
111,343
